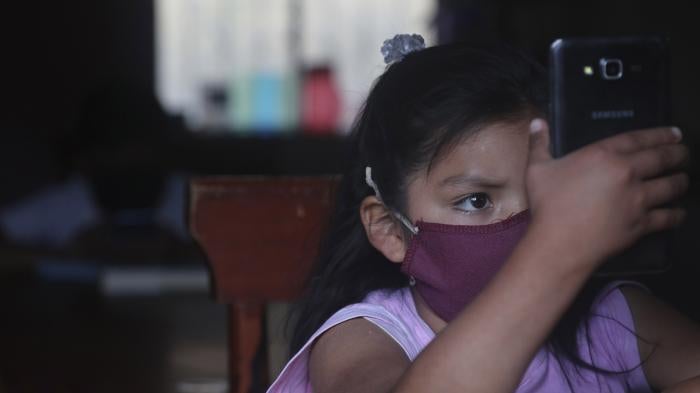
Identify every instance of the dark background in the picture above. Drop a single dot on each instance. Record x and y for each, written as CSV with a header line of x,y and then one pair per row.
x,y
56,56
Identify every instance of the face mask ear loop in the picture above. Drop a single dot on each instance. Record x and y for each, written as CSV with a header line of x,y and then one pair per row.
x,y
370,182
405,221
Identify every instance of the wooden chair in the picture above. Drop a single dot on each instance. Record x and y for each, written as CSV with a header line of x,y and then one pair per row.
x,y
260,235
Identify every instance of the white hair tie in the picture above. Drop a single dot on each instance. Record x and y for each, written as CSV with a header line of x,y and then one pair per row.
x,y
370,182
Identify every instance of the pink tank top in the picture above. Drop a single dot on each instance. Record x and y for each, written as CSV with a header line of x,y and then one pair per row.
x,y
613,345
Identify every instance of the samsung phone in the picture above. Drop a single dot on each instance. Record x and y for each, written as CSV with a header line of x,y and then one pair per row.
x,y
600,86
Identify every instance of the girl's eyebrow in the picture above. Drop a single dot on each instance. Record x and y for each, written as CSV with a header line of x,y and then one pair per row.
x,y
460,180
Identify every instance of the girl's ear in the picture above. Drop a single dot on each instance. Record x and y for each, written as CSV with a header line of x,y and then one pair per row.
x,y
383,231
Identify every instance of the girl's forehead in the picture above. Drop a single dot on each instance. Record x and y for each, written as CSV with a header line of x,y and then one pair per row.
x,y
496,150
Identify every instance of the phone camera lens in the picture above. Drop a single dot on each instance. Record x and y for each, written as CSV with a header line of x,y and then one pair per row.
x,y
611,68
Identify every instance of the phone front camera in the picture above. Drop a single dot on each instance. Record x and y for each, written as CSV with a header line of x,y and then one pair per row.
x,y
611,68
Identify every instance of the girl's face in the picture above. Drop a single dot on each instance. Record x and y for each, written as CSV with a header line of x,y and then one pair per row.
x,y
480,181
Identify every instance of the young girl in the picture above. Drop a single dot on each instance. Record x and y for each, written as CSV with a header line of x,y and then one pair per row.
x,y
460,254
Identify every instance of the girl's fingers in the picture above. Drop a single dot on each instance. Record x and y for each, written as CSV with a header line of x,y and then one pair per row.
x,y
661,219
539,141
652,162
664,189
632,141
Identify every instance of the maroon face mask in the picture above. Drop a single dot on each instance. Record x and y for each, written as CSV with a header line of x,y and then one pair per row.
x,y
451,264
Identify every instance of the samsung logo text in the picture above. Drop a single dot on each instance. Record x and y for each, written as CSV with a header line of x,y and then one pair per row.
x,y
621,114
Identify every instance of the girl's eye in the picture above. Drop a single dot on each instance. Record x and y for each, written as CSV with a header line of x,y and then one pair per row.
x,y
474,202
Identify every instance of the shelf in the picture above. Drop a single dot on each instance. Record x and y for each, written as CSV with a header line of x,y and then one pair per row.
x,y
267,154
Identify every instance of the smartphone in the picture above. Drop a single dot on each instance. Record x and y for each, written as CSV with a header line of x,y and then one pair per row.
x,y
600,86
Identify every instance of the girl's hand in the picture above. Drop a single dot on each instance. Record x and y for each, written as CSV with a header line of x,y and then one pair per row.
x,y
599,199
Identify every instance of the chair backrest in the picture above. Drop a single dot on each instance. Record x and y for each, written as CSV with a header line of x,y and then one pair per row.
x,y
260,235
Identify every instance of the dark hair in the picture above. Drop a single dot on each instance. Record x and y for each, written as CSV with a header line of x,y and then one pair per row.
x,y
419,108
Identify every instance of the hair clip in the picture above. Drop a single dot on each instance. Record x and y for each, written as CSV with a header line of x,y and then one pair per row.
x,y
396,48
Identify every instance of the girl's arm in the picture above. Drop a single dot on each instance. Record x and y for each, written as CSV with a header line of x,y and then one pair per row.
x,y
668,341
356,356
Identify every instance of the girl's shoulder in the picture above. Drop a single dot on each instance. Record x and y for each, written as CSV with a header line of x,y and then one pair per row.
x,y
606,340
611,318
609,339
393,311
